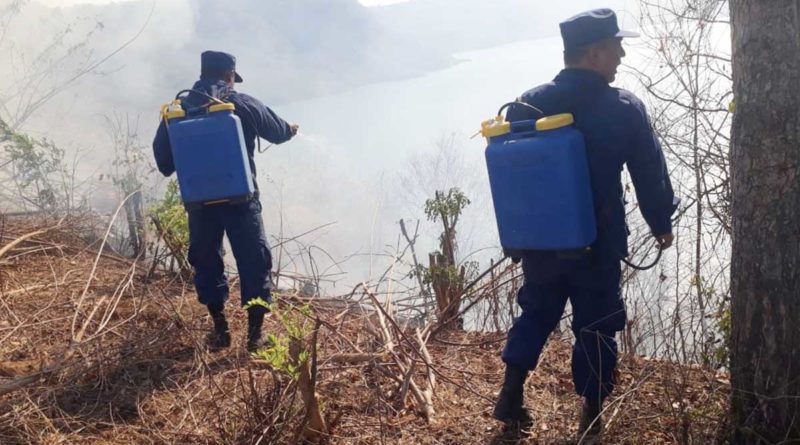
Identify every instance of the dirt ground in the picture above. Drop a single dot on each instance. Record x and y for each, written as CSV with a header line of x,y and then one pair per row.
x,y
96,349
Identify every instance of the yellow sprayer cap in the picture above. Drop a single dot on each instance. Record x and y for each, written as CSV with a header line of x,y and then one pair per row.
x,y
495,127
221,107
555,121
173,110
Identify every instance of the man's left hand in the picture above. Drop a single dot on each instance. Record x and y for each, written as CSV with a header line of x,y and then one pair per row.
x,y
665,241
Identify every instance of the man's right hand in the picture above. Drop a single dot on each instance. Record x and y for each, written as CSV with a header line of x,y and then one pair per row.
x,y
665,241
294,128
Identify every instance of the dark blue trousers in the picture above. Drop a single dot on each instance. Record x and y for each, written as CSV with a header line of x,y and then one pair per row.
x,y
592,285
245,228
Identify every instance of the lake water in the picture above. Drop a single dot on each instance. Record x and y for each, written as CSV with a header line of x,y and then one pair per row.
x,y
349,163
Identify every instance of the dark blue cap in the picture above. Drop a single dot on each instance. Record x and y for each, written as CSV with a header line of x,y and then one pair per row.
x,y
590,27
218,62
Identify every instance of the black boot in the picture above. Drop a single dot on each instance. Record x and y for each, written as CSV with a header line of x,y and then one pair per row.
x,y
255,320
591,425
510,407
220,335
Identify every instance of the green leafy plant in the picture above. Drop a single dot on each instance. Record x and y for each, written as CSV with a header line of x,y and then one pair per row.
x,y
277,354
287,353
446,207
172,217
443,273
38,167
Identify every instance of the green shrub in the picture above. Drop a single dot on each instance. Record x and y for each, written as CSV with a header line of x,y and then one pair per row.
x,y
172,217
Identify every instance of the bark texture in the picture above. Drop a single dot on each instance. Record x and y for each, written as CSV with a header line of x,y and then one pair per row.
x,y
765,269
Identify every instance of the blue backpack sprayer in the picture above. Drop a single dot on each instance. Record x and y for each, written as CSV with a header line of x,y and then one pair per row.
x,y
209,152
540,183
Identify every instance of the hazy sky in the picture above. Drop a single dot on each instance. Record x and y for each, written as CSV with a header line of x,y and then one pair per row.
x,y
368,152
77,2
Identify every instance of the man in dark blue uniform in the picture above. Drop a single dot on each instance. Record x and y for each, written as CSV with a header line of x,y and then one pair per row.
x,y
241,221
617,132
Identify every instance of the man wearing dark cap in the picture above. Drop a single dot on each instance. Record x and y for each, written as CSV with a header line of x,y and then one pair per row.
x,y
617,132
241,221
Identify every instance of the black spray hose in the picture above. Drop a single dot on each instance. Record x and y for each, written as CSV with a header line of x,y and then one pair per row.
x,y
649,266
500,111
210,97
676,203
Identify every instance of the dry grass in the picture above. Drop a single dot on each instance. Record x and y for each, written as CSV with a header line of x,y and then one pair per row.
x,y
140,373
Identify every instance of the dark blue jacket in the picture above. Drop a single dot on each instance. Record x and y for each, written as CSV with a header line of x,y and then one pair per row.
x,y
257,120
617,132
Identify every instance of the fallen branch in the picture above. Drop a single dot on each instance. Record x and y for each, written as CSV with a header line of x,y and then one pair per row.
x,y
314,427
5,249
424,402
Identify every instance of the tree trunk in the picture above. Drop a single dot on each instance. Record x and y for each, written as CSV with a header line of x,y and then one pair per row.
x,y
135,215
765,269
447,281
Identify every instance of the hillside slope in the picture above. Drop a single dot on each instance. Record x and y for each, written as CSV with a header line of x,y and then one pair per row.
x,y
119,358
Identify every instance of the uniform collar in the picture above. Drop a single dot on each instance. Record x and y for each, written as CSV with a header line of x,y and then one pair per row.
x,y
582,77
204,83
